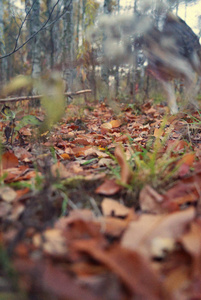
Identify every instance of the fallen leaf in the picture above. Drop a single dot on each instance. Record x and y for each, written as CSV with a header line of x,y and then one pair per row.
x,y
115,123
112,226
22,154
59,170
133,270
51,241
126,172
187,159
105,162
109,188
7,194
191,241
9,160
113,208
65,156
150,201
141,233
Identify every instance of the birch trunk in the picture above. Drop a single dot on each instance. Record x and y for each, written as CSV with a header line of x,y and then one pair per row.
x,y
36,47
3,62
68,45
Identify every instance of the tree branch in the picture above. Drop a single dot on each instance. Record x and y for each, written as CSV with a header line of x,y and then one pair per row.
x,y
36,97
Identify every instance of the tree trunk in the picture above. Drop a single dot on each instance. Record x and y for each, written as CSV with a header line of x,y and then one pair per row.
x,y
36,46
105,69
3,62
68,45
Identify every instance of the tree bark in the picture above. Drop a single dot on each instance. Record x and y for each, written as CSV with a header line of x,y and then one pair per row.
x,y
105,69
3,63
36,47
68,45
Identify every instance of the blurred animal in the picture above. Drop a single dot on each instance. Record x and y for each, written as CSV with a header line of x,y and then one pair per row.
x,y
169,44
173,51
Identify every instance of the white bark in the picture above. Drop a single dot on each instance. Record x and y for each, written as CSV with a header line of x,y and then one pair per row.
x,y
3,62
68,29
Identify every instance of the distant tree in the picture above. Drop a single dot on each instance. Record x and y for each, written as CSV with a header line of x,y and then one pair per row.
x,y
107,8
67,48
36,46
3,66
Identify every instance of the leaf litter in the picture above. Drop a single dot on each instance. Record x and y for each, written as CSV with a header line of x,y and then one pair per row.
x,y
66,240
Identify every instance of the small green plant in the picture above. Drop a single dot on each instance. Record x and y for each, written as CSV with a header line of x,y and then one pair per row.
x,y
152,164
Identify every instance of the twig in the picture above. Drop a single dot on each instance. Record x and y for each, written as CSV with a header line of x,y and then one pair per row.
x,y
36,97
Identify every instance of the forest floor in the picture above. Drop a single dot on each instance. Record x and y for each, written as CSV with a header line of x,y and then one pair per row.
x,y
102,207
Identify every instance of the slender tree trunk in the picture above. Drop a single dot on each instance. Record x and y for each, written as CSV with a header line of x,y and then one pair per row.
x,y
3,62
68,45
29,30
36,46
84,2
105,69
78,26
51,38
117,67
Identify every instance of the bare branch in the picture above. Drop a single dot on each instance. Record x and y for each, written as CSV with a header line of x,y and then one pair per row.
x,y
36,97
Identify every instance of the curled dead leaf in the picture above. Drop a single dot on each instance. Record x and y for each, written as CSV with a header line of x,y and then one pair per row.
x,y
109,188
126,172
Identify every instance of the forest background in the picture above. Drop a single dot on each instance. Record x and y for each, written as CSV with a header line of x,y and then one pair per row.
x,y
38,37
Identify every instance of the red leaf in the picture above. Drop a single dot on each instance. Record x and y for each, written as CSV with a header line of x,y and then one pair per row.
x,y
9,160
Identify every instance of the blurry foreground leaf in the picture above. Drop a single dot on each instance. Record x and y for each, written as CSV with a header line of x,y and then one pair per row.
x,y
17,83
28,120
52,100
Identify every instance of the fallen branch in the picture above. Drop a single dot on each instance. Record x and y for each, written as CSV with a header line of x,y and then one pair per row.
x,y
36,97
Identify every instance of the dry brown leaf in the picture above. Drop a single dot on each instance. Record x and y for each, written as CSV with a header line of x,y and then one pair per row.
x,y
177,281
9,160
150,201
126,172
59,170
78,214
22,154
106,162
106,127
187,159
115,123
7,194
134,271
108,188
51,241
113,226
183,192
111,207
65,156
192,244
141,234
